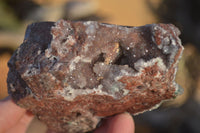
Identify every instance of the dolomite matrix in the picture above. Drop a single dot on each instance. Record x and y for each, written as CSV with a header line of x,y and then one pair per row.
x,y
72,74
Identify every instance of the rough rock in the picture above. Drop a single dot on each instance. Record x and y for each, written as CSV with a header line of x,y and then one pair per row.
x,y
72,74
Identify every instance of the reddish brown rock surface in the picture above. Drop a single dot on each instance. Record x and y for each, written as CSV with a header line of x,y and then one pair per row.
x,y
71,74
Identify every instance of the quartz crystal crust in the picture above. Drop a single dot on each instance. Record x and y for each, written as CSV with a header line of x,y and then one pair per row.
x,y
72,74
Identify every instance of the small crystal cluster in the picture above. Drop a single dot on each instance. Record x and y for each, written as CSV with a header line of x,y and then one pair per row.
x,y
72,74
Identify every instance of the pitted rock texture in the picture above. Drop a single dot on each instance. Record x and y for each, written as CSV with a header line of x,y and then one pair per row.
x,y
72,74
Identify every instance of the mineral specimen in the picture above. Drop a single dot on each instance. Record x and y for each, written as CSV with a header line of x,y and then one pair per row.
x,y
72,74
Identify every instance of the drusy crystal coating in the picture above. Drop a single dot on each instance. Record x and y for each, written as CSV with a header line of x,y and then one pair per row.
x,y
72,74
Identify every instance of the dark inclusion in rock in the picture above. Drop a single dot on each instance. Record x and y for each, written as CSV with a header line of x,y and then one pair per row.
x,y
72,74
